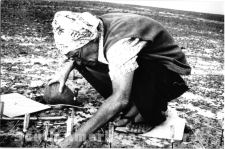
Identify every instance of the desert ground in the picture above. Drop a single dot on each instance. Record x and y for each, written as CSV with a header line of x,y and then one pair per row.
x,y
29,58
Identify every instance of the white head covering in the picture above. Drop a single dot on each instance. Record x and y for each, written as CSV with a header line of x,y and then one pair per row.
x,y
74,30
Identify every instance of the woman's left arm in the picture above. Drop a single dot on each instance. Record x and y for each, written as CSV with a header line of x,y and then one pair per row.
x,y
115,103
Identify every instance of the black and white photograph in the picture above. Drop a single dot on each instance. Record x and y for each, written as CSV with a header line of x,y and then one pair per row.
x,y
112,74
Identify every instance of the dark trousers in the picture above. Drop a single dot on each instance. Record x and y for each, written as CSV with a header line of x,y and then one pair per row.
x,y
153,87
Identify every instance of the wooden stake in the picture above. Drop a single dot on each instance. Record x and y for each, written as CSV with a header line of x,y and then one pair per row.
x,y
172,130
59,106
25,127
36,118
221,138
47,123
70,123
26,122
1,110
46,130
111,134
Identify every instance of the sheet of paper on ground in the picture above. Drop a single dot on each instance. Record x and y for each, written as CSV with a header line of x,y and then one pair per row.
x,y
16,105
164,130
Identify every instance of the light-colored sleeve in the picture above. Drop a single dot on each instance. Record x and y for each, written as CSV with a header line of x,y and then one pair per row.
x,y
122,56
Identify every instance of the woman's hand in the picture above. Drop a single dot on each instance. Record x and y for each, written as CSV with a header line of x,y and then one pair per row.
x,y
72,141
62,77
58,78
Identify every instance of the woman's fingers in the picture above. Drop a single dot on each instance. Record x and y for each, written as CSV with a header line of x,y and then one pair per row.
x,y
52,81
61,85
61,82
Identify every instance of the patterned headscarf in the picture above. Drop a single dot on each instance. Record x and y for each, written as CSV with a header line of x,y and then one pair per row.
x,y
74,30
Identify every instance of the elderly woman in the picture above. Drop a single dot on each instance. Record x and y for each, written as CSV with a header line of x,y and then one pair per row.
x,y
131,60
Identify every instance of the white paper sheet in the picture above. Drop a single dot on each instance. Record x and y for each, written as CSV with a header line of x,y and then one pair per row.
x,y
16,105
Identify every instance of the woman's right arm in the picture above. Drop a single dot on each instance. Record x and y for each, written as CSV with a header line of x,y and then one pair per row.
x,y
63,74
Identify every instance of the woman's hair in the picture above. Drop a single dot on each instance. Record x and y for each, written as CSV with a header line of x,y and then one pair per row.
x,y
74,30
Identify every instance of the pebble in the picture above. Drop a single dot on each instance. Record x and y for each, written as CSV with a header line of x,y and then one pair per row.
x,y
37,83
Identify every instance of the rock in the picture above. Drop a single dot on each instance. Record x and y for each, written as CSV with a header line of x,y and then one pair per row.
x,y
19,85
52,95
37,83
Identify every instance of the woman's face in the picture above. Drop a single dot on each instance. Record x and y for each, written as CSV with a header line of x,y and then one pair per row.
x,y
72,54
91,45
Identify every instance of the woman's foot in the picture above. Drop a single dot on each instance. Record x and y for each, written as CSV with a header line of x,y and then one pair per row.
x,y
138,128
122,121
137,125
132,114
134,125
132,122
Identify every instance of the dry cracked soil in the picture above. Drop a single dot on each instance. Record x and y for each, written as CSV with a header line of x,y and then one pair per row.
x,y
29,58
